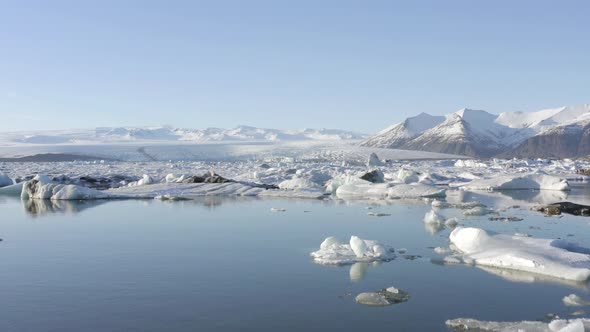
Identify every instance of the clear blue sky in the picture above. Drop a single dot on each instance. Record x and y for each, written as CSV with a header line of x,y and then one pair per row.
x,y
358,65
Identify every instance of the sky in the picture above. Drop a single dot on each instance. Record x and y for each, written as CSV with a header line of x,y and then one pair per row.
x,y
356,65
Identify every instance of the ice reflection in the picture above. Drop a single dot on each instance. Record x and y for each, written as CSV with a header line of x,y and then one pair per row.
x,y
40,207
526,277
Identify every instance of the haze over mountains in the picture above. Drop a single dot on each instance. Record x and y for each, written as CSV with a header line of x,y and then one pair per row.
x,y
169,134
562,132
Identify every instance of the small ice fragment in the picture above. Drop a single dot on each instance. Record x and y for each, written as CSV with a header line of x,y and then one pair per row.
x,y
451,222
442,250
384,297
277,209
433,218
574,300
392,290
478,211
378,214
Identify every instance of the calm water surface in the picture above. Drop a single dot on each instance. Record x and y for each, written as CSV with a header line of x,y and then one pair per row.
x,y
233,265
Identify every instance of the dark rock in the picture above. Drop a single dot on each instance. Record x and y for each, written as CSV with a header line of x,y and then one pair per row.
x,y
374,176
194,179
566,207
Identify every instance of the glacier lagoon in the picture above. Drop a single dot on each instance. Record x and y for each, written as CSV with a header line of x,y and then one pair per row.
x,y
243,264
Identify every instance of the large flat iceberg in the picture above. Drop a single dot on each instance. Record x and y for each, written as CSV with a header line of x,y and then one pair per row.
x,y
557,325
513,182
554,258
35,189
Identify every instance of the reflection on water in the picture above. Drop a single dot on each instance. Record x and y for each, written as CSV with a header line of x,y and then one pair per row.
x,y
39,207
526,277
537,196
358,271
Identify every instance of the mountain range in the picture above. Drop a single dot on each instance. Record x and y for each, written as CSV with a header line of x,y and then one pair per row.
x,y
170,134
562,132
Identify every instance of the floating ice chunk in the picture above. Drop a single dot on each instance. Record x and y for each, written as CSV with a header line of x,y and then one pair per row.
x,y
333,252
451,222
277,209
574,300
557,325
511,182
5,180
416,190
384,297
554,258
374,160
437,220
433,218
442,250
478,211
34,189
407,176
372,299
363,190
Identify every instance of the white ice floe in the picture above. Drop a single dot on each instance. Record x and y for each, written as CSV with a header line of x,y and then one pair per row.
x,y
277,209
416,190
557,325
5,180
514,182
192,190
39,190
359,190
574,300
554,258
333,252
478,211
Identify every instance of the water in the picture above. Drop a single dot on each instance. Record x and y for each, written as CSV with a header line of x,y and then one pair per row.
x,y
233,265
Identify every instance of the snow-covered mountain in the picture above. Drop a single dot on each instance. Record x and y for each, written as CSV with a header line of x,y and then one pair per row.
x,y
167,134
481,134
399,134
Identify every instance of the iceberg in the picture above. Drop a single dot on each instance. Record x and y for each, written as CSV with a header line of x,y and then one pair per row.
x,y
553,258
334,252
35,189
557,325
515,182
5,180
